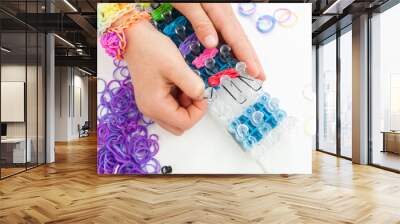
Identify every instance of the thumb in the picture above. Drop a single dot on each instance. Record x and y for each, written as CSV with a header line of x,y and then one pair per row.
x,y
201,23
188,81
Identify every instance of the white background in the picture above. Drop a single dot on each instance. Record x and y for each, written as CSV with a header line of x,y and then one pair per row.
x,y
207,148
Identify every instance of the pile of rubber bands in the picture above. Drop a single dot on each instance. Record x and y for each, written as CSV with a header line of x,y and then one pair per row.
x,y
124,144
266,23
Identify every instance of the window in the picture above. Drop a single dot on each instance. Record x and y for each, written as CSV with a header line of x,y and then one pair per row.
x,y
395,102
346,94
22,76
327,97
385,89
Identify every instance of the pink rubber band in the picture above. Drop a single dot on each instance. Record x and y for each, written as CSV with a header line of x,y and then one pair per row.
x,y
199,62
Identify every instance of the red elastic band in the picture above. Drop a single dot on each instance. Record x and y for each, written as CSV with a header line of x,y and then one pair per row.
x,y
215,80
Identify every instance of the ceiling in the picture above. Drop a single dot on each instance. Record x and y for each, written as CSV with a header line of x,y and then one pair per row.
x,y
75,22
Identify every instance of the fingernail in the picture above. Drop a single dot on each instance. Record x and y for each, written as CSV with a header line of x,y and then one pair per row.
x,y
263,76
210,41
200,96
254,69
200,91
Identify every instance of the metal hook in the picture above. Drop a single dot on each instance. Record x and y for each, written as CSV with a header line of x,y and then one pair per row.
x,y
209,94
252,83
235,93
244,77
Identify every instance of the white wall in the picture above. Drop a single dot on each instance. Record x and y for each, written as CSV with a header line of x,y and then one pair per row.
x,y
16,73
62,81
69,82
80,84
33,127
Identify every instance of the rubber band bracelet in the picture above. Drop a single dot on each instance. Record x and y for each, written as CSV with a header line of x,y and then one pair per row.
x,y
108,13
114,39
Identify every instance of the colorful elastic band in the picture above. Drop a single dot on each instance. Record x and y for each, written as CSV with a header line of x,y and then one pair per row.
x,y
265,23
108,13
282,15
215,80
114,39
200,61
171,28
125,145
247,9
292,21
160,12
184,47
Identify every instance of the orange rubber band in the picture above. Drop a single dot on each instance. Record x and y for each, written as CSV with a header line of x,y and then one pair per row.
x,y
119,32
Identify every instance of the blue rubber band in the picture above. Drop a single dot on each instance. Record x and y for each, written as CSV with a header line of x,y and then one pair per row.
x,y
263,18
169,30
247,12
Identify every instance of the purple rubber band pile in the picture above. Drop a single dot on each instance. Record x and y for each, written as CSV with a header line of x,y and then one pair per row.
x,y
125,145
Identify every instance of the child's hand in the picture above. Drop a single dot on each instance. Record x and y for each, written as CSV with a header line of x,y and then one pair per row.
x,y
208,18
157,67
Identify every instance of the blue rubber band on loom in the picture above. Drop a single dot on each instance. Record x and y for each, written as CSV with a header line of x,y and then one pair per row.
x,y
169,30
265,18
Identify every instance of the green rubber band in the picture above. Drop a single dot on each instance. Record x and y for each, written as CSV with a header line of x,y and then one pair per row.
x,y
157,13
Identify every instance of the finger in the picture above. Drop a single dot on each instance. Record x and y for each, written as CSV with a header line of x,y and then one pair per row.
x,y
169,128
184,100
262,75
202,25
230,28
177,116
188,81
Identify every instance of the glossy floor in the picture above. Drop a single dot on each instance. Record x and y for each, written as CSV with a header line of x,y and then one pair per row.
x,y
70,191
387,159
8,171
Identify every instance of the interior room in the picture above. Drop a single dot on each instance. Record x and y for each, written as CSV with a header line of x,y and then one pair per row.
x,y
22,99
49,117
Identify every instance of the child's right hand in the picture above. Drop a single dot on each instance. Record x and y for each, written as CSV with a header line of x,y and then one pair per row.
x,y
157,68
209,18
